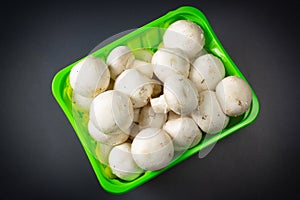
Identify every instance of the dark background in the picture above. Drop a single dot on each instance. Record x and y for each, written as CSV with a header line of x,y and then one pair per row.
x,y
41,156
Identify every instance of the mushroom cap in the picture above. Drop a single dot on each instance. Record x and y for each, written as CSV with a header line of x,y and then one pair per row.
x,y
81,102
148,118
234,95
206,72
115,138
180,94
196,140
185,35
152,149
111,111
209,115
183,131
167,62
89,77
136,85
122,163
143,67
118,60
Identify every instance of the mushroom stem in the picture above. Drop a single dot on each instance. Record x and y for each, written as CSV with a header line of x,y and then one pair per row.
x,y
159,104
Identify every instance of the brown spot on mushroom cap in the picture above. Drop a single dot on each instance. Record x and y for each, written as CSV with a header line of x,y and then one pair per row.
x,y
239,102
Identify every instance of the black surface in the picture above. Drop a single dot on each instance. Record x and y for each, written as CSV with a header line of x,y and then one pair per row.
x,y
41,157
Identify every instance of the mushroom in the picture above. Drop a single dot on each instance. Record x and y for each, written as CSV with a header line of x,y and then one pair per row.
x,y
102,152
148,118
183,132
89,77
81,102
185,35
209,115
180,94
111,111
118,60
196,140
152,149
167,62
143,67
206,72
234,95
117,137
143,54
159,104
122,163
201,53
136,85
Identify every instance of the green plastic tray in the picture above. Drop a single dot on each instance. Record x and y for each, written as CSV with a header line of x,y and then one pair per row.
x,y
147,36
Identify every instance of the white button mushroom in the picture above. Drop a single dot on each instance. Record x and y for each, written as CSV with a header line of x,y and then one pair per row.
x,y
111,111
80,102
206,72
118,60
185,35
152,149
183,132
102,152
201,53
180,94
148,118
117,137
196,140
136,85
167,62
89,77
143,67
209,115
234,95
122,164
159,104
143,54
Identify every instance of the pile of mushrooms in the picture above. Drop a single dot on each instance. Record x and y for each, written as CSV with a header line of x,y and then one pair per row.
x,y
145,106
